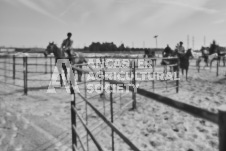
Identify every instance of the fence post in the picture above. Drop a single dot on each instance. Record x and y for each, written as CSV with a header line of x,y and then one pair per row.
x,y
25,74
14,64
153,72
112,118
46,65
177,82
104,80
5,68
36,62
222,127
51,66
134,84
103,93
86,109
73,121
217,68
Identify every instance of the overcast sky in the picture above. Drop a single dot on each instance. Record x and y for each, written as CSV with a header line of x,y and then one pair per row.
x,y
37,22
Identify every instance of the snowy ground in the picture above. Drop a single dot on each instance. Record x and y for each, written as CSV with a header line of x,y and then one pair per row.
x,y
41,121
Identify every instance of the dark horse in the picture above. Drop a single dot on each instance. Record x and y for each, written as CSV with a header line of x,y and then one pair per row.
x,y
184,61
76,59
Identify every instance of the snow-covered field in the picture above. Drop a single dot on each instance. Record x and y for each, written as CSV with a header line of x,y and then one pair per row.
x,y
41,121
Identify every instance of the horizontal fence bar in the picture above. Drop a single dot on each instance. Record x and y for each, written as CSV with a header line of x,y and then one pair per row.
x,y
38,72
125,139
37,80
198,112
111,57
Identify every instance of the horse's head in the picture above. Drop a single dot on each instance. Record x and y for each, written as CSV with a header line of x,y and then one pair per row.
x,y
189,53
50,48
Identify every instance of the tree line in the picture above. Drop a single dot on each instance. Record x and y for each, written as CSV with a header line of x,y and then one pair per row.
x,y
110,47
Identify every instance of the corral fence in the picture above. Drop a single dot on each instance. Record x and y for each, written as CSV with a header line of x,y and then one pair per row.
x,y
26,73
216,118
78,142
32,73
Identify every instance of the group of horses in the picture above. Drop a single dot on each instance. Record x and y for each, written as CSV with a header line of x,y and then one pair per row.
x,y
218,54
78,58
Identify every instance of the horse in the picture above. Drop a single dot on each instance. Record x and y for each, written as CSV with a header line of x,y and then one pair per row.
x,y
205,54
207,57
52,48
76,59
211,57
184,61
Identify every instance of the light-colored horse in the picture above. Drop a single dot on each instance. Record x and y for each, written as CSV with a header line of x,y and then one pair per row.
x,y
210,59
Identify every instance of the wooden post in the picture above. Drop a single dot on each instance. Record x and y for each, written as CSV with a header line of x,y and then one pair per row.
x,y
14,69
177,82
112,118
222,128
25,74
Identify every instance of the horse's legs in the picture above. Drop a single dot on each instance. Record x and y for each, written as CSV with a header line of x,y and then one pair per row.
x,y
79,74
198,63
224,60
211,61
61,80
65,70
186,74
182,71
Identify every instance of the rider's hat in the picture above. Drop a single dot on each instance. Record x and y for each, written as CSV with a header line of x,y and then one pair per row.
x,y
69,34
181,42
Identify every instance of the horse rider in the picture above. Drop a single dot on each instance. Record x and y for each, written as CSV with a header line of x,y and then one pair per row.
x,y
67,44
166,52
213,48
180,48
